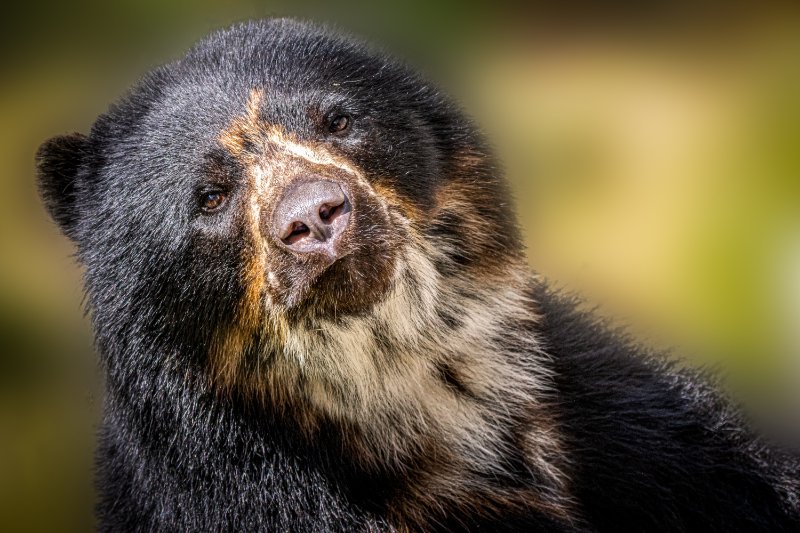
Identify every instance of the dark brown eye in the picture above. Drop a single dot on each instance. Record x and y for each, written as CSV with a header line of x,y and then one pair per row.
x,y
339,123
212,200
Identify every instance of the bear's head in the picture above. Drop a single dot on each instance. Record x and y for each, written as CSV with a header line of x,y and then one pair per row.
x,y
288,222
290,214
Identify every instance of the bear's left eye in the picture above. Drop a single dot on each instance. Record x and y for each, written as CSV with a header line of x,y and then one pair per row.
x,y
338,123
211,201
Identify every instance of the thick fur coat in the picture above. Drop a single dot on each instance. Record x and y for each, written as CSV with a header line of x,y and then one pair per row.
x,y
416,376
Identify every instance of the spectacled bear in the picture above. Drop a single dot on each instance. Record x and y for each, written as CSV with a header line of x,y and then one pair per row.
x,y
313,313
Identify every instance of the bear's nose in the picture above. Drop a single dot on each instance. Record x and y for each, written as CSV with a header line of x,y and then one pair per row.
x,y
311,217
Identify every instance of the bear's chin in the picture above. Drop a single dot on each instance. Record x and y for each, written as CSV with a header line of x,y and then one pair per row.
x,y
350,286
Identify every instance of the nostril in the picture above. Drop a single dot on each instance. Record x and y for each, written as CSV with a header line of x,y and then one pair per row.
x,y
328,212
295,232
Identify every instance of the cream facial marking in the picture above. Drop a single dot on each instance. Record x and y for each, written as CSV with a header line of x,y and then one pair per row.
x,y
381,371
250,130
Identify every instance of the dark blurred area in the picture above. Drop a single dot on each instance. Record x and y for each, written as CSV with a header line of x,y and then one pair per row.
x,y
655,156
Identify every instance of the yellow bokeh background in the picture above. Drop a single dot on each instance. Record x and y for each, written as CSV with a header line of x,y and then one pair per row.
x,y
655,159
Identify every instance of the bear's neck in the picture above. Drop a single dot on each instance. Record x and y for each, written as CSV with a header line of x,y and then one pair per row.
x,y
442,388
443,374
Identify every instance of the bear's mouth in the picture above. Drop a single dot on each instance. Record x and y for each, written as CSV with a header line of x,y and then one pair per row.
x,y
360,278
350,286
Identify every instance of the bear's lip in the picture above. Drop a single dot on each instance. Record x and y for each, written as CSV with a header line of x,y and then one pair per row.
x,y
339,289
316,265
301,293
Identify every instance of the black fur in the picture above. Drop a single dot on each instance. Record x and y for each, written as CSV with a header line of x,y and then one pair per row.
x,y
658,449
648,448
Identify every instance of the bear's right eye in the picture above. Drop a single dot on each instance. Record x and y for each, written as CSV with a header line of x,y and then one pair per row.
x,y
339,123
211,201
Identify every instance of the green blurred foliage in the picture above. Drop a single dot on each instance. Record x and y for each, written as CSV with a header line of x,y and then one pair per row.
x,y
654,158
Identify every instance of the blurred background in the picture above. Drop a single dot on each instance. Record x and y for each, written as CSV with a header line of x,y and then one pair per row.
x,y
655,156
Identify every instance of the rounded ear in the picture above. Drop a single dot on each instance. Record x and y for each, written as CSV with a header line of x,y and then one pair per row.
x,y
58,162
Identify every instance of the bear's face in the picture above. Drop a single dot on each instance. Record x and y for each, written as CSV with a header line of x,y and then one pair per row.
x,y
283,206
315,235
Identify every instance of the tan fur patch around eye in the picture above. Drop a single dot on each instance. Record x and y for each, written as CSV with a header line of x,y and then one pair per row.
x,y
245,129
247,137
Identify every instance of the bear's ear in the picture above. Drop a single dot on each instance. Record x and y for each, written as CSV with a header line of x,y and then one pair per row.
x,y
58,161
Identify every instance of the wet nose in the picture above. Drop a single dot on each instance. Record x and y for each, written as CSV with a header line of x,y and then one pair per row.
x,y
311,217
